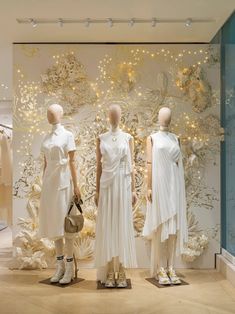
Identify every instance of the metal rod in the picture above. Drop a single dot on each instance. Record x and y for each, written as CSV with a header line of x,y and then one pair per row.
x,y
106,20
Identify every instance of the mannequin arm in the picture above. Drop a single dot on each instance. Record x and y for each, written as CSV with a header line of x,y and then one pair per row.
x,y
98,170
149,168
45,165
74,173
134,197
180,148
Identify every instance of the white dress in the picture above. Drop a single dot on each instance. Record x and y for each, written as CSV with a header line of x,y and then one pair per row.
x,y
114,225
57,185
168,207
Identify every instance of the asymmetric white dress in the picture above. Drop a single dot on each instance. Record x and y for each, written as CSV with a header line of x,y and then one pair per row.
x,y
56,191
168,207
114,225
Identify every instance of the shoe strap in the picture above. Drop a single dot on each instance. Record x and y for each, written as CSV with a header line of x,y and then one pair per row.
x,y
110,275
162,273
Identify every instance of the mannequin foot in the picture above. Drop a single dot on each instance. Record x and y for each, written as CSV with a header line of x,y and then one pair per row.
x,y
69,272
60,269
121,281
110,281
173,277
162,277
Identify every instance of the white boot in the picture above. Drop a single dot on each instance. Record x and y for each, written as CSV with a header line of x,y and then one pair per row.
x,y
60,269
69,272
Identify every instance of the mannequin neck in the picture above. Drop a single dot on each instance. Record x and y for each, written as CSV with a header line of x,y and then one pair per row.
x,y
114,128
55,125
164,128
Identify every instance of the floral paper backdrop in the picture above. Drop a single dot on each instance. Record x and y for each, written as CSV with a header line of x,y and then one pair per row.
x,y
85,80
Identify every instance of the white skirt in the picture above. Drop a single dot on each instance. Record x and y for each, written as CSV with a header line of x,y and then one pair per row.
x,y
54,205
114,226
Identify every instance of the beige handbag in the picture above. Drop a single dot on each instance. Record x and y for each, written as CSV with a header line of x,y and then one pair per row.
x,y
74,223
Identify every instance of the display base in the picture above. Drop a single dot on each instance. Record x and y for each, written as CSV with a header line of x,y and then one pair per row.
x,y
156,283
57,284
102,285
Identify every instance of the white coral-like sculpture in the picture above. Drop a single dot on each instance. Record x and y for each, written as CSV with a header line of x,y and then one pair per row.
x,y
197,241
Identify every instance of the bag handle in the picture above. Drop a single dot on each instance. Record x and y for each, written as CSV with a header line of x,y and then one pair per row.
x,y
77,203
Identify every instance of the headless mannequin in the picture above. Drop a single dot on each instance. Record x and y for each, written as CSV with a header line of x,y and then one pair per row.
x,y
54,116
162,252
114,118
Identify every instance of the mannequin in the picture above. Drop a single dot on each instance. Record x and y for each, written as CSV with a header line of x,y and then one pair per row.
x,y
115,195
58,148
166,221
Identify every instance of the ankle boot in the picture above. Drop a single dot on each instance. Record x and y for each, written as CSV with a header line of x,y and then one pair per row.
x,y
69,272
60,269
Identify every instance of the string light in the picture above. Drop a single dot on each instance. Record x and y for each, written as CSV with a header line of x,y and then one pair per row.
x,y
110,22
132,22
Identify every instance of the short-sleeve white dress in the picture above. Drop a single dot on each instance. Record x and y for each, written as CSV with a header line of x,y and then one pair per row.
x,y
114,225
56,191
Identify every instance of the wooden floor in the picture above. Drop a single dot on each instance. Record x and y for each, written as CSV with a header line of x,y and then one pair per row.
x,y
21,292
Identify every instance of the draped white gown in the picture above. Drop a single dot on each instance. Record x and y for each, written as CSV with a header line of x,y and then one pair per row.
x,y
168,207
114,225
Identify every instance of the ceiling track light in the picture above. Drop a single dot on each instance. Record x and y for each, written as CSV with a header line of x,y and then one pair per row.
x,y
110,22
188,22
154,22
33,22
131,22
87,22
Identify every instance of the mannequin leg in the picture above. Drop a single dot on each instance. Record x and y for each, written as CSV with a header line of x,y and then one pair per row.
x,y
69,246
69,269
171,249
110,278
158,253
121,280
59,247
60,266
116,264
158,258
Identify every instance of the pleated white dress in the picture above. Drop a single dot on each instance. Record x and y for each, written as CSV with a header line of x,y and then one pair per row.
x,y
56,191
114,225
168,207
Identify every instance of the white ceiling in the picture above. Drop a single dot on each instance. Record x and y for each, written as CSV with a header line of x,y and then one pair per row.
x,y
11,31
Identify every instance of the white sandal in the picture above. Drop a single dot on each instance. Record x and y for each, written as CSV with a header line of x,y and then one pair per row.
x,y
173,277
162,277
110,281
121,281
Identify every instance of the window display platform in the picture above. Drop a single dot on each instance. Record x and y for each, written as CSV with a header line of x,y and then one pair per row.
x,y
208,291
226,266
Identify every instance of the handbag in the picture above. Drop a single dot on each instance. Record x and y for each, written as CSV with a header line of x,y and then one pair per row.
x,y
74,223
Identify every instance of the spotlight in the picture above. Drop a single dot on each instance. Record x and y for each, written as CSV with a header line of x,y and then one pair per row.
x,y
154,22
188,22
88,22
60,22
33,22
110,22
132,22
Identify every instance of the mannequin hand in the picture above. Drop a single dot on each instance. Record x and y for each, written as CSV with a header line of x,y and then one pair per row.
x,y
149,196
77,192
134,198
96,198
